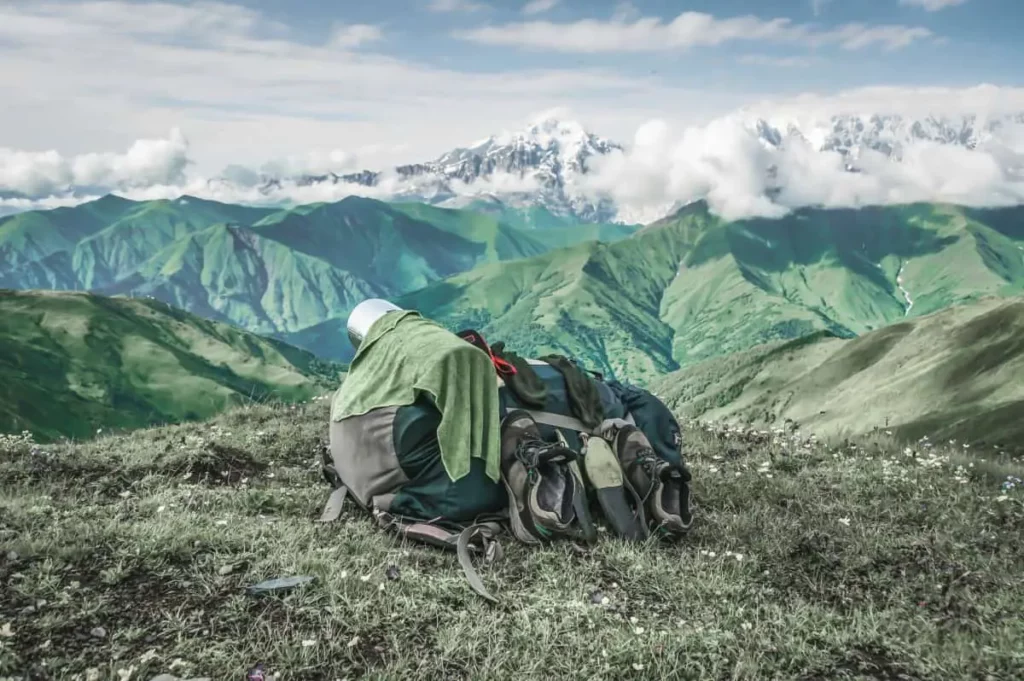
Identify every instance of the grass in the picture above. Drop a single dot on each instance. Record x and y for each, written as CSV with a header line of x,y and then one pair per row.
x,y
73,362
950,374
810,561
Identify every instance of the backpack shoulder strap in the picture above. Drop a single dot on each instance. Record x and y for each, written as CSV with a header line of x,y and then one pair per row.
x,y
478,538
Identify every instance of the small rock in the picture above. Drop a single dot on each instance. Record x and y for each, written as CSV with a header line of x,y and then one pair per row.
x,y
98,632
7,631
597,598
392,573
226,570
12,556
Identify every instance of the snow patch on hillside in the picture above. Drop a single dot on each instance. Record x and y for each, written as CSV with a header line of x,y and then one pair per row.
x,y
904,291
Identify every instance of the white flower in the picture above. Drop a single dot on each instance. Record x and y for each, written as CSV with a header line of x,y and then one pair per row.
x,y
747,626
845,521
308,643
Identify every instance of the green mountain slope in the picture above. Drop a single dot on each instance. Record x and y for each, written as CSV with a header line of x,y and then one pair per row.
x,y
292,273
691,287
958,373
554,229
32,236
99,243
233,274
72,363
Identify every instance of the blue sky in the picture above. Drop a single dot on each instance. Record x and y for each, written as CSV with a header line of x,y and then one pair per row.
x,y
972,41
363,84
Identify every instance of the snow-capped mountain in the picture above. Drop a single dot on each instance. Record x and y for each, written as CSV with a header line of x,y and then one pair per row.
x,y
887,134
546,163
541,165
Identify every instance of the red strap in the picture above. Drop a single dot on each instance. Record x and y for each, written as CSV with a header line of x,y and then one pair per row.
x,y
500,365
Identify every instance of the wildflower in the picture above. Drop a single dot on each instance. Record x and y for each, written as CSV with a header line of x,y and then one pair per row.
x,y
747,626
845,521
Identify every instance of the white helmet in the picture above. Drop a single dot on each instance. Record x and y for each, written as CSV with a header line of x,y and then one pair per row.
x,y
364,315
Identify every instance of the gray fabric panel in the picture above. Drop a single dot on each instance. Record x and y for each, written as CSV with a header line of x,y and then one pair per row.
x,y
384,501
363,449
558,420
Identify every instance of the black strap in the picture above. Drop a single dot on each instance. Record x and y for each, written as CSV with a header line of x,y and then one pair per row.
x,y
479,538
335,504
486,536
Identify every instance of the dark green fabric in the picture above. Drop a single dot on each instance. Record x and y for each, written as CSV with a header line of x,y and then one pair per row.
x,y
654,419
558,402
584,398
405,355
430,493
525,383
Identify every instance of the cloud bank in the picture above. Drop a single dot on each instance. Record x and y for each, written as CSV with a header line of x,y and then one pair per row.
x,y
957,146
687,30
731,166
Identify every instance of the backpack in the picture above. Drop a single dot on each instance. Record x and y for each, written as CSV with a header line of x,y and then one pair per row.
x,y
388,460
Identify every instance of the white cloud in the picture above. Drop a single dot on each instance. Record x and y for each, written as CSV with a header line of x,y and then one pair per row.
x,y
539,6
724,161
312,163
355,35
145,163
455,6
933,5
83,75
689,29
728,164
766,60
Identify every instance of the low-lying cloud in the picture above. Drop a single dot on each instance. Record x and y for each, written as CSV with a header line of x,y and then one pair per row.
x,y
740,174
955,146
146,162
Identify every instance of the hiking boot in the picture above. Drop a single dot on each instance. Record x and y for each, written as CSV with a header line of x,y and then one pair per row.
x,y
584,527
621,507
540,487
664,488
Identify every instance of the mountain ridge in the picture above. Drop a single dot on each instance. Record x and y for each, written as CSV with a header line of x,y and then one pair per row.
x,y
693,286
72,363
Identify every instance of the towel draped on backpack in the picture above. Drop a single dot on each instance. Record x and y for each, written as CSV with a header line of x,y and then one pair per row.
x,y
404,355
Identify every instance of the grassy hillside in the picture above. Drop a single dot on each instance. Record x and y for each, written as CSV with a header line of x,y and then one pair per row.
x,y
807,561
74,363
289,273
692,287
99,243
551,227
958,374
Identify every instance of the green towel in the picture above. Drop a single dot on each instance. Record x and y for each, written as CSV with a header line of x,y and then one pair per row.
x,y
404,354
